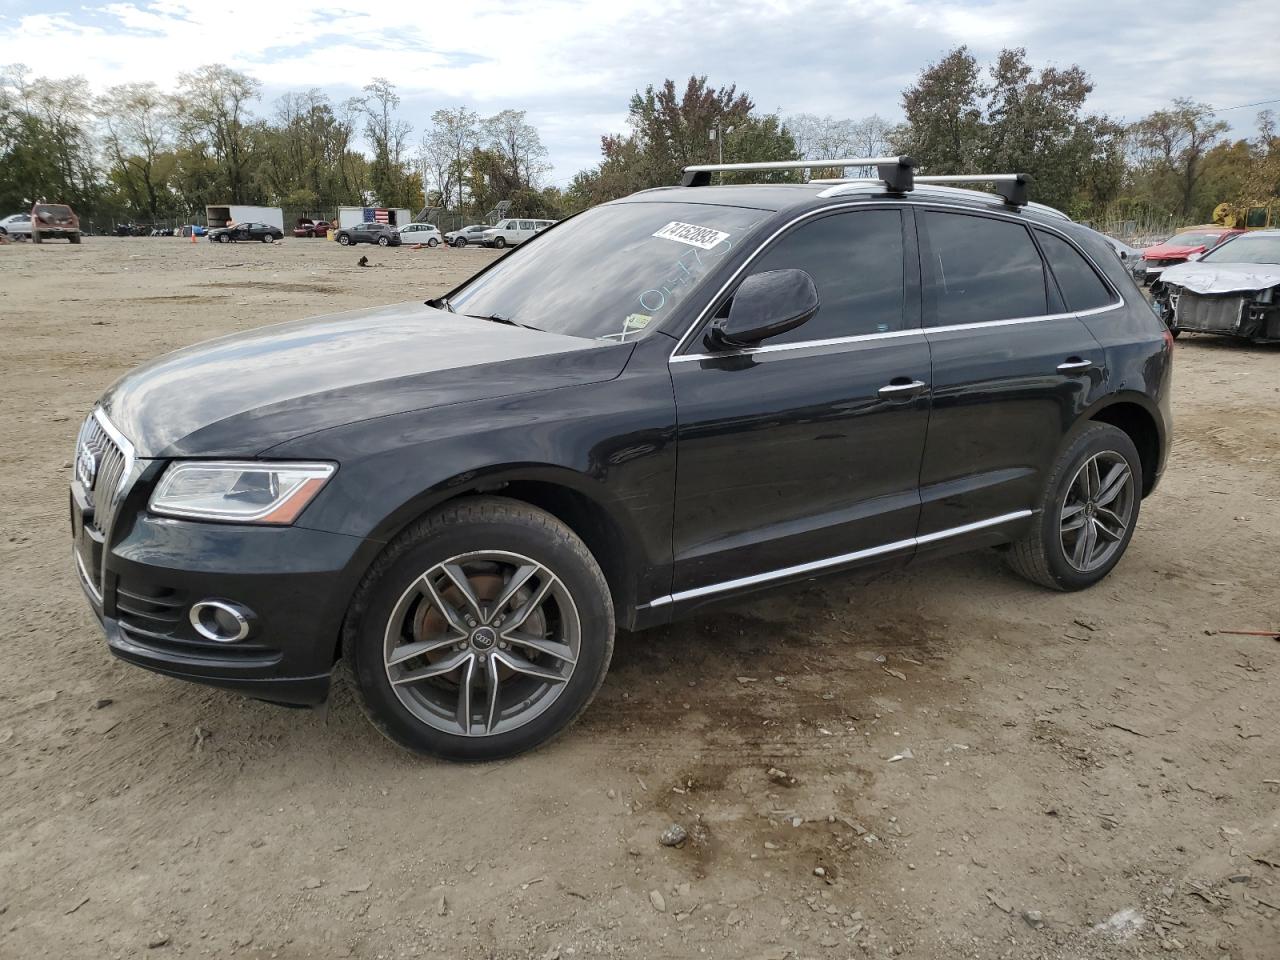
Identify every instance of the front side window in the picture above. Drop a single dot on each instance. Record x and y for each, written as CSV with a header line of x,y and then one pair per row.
x,y
856,261
1081,286
982,270
1256,217
615,272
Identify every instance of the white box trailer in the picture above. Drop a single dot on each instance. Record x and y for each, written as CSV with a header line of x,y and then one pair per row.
x,y
349,217
220,215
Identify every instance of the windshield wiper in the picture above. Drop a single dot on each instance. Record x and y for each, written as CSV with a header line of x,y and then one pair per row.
x,y
499,318
441,303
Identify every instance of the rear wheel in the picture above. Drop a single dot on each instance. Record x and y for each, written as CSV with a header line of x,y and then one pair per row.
x,y
383,241
482,632
74,238
35,236
1087,514
433,242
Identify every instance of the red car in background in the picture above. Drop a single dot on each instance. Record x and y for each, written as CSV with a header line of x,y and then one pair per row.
x,y
1179,249
311,228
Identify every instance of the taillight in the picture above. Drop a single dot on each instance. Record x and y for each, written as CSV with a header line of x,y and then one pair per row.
x,y
1168,339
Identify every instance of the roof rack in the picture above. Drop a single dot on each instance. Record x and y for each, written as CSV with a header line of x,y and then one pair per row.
x,y
895,172
1011,186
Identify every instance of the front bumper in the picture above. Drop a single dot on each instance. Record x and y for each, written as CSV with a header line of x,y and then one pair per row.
x,y
144,574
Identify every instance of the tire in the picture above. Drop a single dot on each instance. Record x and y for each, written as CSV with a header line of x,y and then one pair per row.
x,y
74,238
392,609
500,242
3,232
383,241
269,238
433,242
344,240
35,237
1109,503
224,238
460,242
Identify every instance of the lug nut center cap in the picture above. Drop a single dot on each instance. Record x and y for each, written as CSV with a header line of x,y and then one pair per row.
x,y
483,638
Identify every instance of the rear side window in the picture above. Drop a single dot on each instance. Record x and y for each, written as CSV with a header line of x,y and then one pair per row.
x,y
1081,286
982,270
856,261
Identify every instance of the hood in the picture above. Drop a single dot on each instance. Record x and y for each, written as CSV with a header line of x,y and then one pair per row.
x,y
240,395
1165,251
1202,277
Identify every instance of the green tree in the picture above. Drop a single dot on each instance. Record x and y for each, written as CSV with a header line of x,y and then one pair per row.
x,y
389,136
1172,146
140,123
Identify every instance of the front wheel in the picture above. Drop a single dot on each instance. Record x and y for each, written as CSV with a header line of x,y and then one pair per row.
x,y
269,238
460,242
499,242
483,631
223,238
1087,514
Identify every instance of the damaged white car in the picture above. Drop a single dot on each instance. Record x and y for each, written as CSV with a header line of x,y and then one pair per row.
x,y
1232,290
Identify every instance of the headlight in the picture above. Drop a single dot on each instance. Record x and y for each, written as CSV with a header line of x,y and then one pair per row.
x,y
247,492
1266,296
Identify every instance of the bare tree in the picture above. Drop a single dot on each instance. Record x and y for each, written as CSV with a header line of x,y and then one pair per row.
x,y
388,135
139,122
517,143
215,102
444,152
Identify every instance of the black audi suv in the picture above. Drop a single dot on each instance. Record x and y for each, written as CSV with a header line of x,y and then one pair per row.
x,y
669,400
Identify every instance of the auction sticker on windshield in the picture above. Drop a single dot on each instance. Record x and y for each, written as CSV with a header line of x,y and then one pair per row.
x,y
704,238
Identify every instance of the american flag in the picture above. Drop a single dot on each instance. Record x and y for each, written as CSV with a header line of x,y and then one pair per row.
x,y
376,216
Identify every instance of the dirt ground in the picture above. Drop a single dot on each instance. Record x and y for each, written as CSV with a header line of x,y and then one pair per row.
x,y
1086,776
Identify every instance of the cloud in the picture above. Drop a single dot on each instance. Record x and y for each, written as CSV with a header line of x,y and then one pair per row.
x,y
573,64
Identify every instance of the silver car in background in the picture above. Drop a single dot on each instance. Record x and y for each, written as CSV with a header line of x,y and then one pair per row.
x,y
1233,290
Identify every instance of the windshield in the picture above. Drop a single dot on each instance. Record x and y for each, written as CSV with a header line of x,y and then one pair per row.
x,y
1250,248
1192,240
613,272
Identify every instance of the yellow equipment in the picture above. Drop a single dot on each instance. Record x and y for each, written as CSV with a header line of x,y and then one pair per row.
x,y
1248,216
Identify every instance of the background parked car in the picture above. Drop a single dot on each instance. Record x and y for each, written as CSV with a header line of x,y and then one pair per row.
x,y
16,225
510,233
1233,290
54,221
380,233
265,232
1179,248
464,235
427,233
307,227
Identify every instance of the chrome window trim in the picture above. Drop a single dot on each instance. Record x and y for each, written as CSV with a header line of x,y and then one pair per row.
x,y
818,565
1116,304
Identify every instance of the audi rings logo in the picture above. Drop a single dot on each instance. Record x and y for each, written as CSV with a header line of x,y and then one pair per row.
x,y
86,468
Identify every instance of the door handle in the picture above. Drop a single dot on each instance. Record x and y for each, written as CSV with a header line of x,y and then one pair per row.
x,y
1075,365
900,388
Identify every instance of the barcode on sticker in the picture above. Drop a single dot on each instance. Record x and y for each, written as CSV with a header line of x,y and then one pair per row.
x,y
703,238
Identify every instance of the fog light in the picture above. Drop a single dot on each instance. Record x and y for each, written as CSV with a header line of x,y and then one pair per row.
x,y
221,621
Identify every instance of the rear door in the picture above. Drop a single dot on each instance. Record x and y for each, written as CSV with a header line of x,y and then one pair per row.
x,y
1012,370
803,454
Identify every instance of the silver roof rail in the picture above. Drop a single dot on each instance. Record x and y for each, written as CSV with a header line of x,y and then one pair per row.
x,y
1011,186
897,173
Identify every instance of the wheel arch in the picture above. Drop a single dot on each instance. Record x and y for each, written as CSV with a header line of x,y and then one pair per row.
x,y
1133,413
572,498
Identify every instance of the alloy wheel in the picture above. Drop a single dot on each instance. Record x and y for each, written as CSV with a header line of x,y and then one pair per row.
x,y
1097,509
482,643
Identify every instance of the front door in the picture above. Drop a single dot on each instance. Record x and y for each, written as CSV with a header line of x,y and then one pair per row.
x,y
1012,371
803,454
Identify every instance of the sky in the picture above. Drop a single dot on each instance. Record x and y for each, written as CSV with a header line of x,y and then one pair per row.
x,y
574,64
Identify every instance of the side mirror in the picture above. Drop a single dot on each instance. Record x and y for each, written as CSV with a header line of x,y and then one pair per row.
x,y
1195,256
764,306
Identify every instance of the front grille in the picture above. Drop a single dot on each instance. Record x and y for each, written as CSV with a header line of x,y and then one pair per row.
x,y
1208,314
103,461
